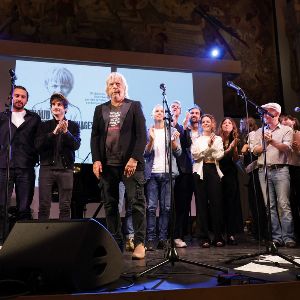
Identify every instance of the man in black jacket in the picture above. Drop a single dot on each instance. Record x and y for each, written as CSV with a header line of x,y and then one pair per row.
x,y
24,157
57,140
118,141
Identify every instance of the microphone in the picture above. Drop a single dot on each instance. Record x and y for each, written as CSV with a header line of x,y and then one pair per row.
x,y
297,109
233,86
162,86
12,73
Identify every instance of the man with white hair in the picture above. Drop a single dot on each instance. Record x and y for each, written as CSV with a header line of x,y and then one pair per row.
x,y
278,140
118,141
157,176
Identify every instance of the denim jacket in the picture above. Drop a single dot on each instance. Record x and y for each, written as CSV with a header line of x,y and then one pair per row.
x,y
149,157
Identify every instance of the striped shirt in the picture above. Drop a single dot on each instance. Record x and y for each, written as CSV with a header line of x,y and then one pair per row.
x,y
282,134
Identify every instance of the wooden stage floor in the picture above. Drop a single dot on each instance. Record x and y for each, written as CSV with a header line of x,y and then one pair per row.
x,y
183,280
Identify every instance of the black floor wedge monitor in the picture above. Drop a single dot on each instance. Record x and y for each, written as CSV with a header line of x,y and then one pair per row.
x,y
78,255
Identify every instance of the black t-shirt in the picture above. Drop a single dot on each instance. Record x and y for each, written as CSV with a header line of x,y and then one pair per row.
x,y
113,152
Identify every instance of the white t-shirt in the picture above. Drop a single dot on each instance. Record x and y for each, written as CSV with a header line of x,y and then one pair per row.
x,y
160,164
17,118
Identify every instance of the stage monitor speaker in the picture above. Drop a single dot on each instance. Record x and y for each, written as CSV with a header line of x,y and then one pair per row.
x,y
66,255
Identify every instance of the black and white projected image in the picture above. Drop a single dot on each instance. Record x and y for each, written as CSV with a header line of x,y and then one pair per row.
x,y
84,87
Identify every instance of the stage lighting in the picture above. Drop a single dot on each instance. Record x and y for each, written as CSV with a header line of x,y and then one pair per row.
x,y
216,52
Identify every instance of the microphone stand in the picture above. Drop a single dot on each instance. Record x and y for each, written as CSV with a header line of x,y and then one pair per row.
x,y
8,159
171,253
271,248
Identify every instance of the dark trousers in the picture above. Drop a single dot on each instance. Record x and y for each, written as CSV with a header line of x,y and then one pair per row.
x,y
208,195
23,180
257,207
134,186
232,210
183,192
64,180
295,198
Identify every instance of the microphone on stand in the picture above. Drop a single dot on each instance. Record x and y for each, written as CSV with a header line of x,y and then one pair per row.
x,y
233,86
297,109
162,86
12,74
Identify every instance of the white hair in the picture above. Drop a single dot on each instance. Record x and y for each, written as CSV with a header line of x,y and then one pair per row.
x,y
154,109
114,75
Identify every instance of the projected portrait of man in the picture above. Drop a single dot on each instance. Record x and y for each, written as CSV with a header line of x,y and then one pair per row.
x,y
59,80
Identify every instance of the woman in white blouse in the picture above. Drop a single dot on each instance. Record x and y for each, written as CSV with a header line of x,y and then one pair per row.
x,y
207,150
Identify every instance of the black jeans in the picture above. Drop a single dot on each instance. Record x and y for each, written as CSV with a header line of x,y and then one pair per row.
x,y
23,180
64,180
134,186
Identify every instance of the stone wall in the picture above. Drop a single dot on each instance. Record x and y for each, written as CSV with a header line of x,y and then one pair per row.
x,y
245,29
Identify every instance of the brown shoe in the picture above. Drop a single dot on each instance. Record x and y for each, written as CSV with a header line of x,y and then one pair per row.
x,y
290,244
139,252
129,245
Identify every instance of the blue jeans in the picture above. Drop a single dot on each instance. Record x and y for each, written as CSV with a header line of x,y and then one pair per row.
x,y
158,189
279,191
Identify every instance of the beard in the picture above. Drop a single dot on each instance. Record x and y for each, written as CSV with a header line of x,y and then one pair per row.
x,y
18,105
194,121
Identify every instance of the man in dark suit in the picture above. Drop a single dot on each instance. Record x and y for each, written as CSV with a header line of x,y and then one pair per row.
x,y
118,141
57,140
23,158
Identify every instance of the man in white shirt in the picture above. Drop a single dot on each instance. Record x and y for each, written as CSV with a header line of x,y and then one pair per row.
x,y
157,176
23,156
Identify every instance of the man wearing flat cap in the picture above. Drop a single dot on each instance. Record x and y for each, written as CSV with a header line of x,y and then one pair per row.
x,y
278,140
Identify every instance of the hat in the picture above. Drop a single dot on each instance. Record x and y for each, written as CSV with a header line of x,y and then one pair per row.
x,y
273,105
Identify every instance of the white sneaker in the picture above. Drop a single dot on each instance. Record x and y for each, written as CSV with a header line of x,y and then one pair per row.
x,y
179,243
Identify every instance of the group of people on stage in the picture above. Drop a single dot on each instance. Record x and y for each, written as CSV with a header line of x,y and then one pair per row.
x,y
202,157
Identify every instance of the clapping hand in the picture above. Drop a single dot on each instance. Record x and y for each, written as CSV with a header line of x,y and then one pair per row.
x,y
186,120
152,133
295,146
62,126
268,136
234,143
175,135
211,139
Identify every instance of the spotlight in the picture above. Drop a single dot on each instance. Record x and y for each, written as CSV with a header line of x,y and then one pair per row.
x,y
216,52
